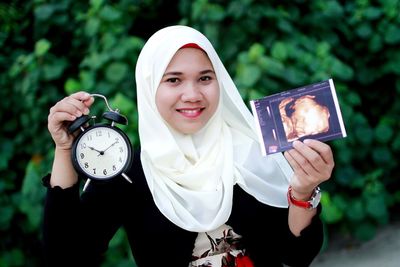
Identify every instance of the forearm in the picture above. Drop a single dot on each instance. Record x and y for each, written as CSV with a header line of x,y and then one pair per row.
x,y
63,173
299,218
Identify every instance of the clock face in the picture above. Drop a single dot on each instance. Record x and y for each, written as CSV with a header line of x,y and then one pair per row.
x,y
102,152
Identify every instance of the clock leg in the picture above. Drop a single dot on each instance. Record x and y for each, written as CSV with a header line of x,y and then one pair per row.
x,y
126,177
86,184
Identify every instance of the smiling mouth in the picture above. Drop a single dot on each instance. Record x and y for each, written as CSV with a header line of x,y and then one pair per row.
x,y
191,113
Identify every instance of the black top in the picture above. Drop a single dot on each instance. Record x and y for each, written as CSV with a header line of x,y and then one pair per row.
x,y
77,229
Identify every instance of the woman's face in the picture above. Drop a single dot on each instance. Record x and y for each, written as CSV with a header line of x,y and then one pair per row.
x,y
188,93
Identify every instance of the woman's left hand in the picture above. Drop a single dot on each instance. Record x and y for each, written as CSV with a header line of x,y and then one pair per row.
x,y
312,163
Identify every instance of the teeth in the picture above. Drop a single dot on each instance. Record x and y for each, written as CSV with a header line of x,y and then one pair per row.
x,y
190,111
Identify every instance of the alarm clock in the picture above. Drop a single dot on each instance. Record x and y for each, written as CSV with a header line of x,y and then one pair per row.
x,y
101,151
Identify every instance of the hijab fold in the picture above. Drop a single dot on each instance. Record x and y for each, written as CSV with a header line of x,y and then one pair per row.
x,y
191,177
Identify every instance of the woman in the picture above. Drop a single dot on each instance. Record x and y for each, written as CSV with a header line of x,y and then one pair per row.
x,y
202,193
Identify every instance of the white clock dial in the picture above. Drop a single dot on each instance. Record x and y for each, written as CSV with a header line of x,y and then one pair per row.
x,y
102,152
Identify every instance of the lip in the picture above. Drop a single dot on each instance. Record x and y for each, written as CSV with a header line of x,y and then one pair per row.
x,y
190,112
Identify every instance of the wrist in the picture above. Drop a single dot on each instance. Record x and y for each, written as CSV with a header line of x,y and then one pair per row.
x,y
304,196
62,150
304,200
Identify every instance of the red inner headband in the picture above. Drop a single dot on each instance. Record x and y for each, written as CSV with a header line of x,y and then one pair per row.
x,y
192,45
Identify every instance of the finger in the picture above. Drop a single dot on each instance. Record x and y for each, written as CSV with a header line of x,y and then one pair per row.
x,y
82,96
71,105
312,155
323,149
301,181
293,163
88,102
303,164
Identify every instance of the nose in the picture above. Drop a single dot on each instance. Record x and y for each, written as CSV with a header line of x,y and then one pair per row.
x,y
191,93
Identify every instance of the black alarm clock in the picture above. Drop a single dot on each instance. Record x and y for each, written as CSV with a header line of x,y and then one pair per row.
x,y
101,151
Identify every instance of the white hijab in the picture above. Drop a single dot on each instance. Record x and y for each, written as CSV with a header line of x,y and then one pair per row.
x,y
191,177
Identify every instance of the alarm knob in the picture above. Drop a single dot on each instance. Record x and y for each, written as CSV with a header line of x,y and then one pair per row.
x,y
79,122
115,117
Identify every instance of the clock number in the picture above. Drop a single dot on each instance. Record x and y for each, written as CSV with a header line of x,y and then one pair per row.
x,y
116,140
121,149
82,155
114,168
98,133
108,133
89,137
120,159
94,171
105,172
83,145
86,165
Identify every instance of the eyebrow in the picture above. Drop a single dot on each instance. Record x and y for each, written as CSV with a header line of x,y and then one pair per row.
x,y
177,73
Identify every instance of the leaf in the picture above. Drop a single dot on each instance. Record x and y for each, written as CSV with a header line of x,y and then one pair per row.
x,y
6,215
43,12
372,13
96,4
396,143
392,34
375,43
249,74
376,206
32,194
255,52
331,213
272,66
364,30
123,103
110,13
364,134
116,71
54,70
341,70
92,26
215,12
6,153
365,231
279,51
323,49
383,133
86,80
41,47
355,210
71,86
382,155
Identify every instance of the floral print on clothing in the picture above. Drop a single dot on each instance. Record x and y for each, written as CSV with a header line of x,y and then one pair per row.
x,y
224,251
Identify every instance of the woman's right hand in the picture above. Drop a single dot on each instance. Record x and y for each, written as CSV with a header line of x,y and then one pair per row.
x,y
63,113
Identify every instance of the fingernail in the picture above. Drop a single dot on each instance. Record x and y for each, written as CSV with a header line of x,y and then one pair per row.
x,y
86,111
295,143
307,141
78,113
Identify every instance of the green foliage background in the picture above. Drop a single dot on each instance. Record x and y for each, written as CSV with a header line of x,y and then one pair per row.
x,y
52,48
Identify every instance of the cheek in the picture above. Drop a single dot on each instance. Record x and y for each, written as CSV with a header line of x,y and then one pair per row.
x,y
160,99
165,100
214,97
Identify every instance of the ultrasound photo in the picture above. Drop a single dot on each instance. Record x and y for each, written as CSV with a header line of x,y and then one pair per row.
x,y
308,112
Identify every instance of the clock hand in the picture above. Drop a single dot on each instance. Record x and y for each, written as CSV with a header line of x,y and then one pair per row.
x,y
110,146
100,152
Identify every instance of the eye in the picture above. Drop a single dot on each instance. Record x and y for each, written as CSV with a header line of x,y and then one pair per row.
x,y
172,80
205,78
